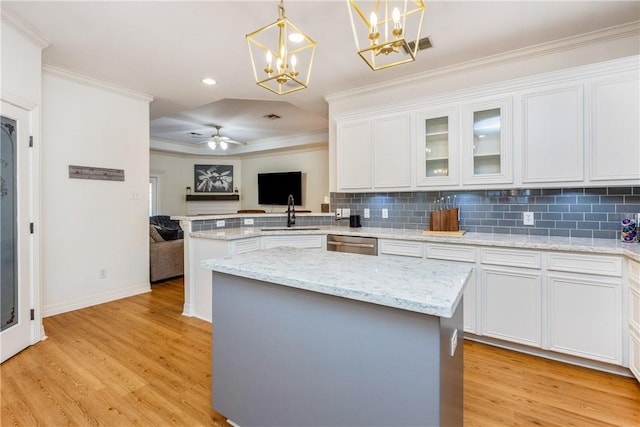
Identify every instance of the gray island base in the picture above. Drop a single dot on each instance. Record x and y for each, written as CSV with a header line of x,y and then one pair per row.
x,y
305,337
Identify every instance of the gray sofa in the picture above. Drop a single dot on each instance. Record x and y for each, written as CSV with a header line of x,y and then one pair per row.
x,y
166,257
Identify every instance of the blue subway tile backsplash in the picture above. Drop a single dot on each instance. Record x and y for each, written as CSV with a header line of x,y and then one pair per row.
x,y
567,212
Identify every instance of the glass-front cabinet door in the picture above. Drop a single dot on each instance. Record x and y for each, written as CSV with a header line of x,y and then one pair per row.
x,y
437,148
487,143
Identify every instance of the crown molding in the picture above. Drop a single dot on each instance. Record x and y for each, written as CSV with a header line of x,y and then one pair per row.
x,y
17,101
631,29
9,18
90,81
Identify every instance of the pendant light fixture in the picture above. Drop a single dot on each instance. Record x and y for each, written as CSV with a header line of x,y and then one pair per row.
x,y
388,30
281,55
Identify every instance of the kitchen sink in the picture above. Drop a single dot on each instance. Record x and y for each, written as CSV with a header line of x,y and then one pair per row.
x,y
289,228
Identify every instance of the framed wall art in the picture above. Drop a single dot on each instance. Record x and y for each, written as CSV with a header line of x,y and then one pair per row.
x,y
213,178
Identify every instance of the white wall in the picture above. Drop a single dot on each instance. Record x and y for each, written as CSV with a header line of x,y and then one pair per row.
x,y
313,162
21,63
90,225
175,174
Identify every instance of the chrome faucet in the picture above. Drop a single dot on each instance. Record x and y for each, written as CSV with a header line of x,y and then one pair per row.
x,y
291,211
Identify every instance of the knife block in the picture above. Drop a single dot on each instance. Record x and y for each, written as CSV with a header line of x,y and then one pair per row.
x,y
445,220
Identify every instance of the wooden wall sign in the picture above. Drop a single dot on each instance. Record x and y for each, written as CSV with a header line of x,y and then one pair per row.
x,y
88,172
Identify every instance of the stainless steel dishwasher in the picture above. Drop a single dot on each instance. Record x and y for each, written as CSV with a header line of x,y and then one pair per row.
x,y
352,244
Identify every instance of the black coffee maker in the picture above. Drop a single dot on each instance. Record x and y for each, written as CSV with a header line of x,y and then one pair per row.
x,y
354,221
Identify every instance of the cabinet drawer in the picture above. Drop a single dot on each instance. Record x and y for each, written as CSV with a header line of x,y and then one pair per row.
x,y
451,252
587,264
634,274
634,308
400,247
509,257
244,245
308,241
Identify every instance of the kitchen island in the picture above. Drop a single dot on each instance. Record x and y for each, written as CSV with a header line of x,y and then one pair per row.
x,y
307,337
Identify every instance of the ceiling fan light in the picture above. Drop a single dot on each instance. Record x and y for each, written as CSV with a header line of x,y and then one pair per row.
x,y
212,145
224,145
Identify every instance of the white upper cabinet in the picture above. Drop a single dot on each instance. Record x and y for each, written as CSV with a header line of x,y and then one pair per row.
x,y
355,156
392,152
375,153
614,145
437,147
569,128
552,135
487,142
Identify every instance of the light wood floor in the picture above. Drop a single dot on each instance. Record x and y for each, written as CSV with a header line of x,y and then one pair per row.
x,y
138,361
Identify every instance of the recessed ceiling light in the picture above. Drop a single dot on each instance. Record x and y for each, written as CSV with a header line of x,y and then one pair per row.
x,y
208,81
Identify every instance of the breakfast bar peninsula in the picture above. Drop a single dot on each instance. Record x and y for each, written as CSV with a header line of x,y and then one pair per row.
x,y
307,337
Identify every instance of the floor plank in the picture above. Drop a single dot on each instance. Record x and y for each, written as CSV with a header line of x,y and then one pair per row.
x,y
138,361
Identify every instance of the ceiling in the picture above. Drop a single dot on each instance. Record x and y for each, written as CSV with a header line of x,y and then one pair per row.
x,y
165,48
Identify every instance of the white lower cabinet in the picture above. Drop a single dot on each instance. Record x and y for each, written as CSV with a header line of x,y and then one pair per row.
x,y
400,247
305,241
584,316
511,304
634,317
466,254
244,245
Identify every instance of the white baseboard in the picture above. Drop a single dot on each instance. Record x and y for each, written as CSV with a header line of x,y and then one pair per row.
x,y
95,299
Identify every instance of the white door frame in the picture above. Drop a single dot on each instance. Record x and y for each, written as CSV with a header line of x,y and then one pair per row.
x,y
29,251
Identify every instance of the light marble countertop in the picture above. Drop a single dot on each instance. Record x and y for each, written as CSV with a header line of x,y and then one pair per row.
x,y
571,244
419,285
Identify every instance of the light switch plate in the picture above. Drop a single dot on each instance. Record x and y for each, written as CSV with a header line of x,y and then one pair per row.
x,y
220,223
338,213
367,213
248,221
385,213
346,212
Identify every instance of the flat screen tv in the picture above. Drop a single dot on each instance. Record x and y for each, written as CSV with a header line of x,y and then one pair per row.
x,y
274,188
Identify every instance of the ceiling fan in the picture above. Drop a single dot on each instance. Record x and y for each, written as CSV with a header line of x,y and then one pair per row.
x,y
217,141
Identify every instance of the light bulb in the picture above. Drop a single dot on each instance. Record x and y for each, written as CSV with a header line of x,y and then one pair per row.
x,y
212,145
396,15
294,61
224,145
269,57
374,22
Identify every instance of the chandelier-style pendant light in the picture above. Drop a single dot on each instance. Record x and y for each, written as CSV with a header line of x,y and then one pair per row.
x,y
389,30
281,55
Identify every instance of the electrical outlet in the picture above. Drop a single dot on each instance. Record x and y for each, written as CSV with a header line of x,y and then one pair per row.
x,y
346,212
338,213
367,213
220,223
102,274
385,213
248,221
135,195
527,218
